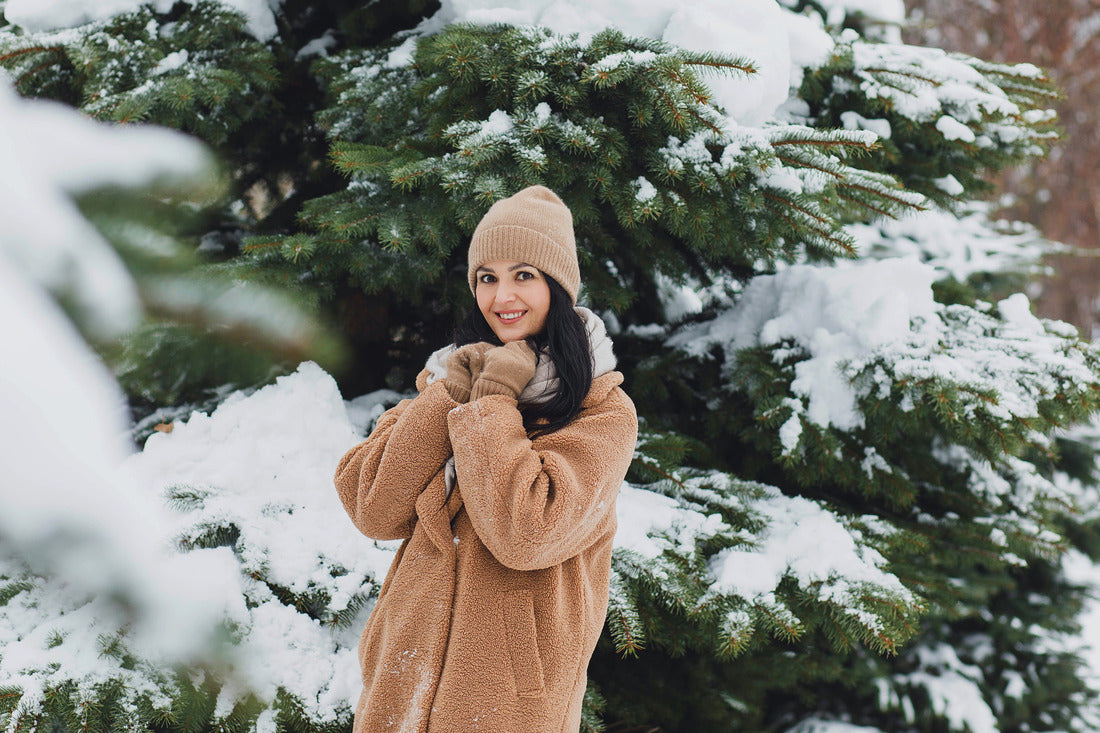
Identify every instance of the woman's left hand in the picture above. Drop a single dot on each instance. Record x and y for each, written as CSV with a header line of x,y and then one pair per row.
x,y
506,370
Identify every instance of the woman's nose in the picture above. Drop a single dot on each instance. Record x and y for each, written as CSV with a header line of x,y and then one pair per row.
x,y
505,293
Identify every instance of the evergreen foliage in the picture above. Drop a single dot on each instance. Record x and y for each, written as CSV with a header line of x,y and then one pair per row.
x,y
621,126
195,70
1004,118
933,598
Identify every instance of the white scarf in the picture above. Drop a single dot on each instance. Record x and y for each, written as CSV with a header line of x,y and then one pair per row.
x,y
545,382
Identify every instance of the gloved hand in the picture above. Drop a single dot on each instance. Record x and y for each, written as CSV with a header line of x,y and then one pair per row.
x,y
506,370
463,369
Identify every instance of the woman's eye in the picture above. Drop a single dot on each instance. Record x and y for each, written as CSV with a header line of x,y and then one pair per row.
x,y
524,275
487,278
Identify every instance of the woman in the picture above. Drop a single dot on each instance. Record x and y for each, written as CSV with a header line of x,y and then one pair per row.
x,y
501,477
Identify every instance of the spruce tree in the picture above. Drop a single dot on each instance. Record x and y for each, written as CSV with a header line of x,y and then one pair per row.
x,y
843,507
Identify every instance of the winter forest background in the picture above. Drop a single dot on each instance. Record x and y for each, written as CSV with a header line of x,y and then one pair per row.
x,y
865,493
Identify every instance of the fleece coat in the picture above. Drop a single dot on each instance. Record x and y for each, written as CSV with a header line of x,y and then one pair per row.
x,y
496,598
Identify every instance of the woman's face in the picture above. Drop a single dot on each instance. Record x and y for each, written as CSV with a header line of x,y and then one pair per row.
x,y
513,297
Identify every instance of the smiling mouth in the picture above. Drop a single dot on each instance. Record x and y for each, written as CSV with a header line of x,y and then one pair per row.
x,y
510,316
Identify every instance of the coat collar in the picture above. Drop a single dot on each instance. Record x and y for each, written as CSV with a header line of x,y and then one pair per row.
x,y
601,388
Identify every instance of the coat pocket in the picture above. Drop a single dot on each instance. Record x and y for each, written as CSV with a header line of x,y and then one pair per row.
x,y
522,638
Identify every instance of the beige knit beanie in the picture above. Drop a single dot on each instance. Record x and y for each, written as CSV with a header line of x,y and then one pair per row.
x,y
533,226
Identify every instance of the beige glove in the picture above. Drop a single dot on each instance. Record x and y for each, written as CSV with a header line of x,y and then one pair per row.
x,y
463,368
506,370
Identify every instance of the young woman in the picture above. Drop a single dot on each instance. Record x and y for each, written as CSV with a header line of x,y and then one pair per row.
x,y
501,477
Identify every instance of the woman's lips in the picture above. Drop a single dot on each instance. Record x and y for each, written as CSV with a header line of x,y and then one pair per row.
x,y
509,316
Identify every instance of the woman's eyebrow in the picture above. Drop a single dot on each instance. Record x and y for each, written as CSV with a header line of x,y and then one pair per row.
x,y
513,268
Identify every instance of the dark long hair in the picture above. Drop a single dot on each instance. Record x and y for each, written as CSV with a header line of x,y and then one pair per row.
x,y
566,340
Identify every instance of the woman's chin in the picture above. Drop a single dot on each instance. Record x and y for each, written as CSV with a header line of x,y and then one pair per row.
x,y
507,334
510,337
525,328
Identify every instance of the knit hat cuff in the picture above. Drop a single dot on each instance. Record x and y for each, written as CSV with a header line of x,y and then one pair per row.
x,y
523,244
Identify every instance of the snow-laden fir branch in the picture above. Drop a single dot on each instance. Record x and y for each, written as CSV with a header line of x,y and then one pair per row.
x,y
964,245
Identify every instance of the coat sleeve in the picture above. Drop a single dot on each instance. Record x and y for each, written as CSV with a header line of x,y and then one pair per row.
x,y
537,504
380,479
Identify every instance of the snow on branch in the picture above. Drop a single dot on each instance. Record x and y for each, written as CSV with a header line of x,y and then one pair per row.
x,y
37,16
860,330
961,245
966,99
783,561
847,365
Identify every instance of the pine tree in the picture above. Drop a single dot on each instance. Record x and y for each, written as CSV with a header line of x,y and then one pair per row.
x,y
854,523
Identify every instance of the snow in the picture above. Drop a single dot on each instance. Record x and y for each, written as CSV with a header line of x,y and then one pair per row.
x,y
952,129
887,11
855,121
791,545
860,330
809,43
791,431
71,516
646,191
678,301
838,314
649,523
953,689
1078,568
819,725
630,58
960,244
318,46
499,123
48,152
473,134
47,15
402,55
171,62
950,185
759,30
44,15
752,28
83,154
928,84
263,463
786,542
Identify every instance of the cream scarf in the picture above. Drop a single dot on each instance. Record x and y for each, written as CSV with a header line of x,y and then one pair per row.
x,y
545,381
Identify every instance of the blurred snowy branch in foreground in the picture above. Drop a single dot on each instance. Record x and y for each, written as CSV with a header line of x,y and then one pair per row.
x,y
68,514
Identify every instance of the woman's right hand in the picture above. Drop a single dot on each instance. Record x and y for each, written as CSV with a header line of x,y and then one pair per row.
x,y
463,369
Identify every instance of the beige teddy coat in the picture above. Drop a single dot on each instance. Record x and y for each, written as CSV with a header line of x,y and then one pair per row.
x,y
496,598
